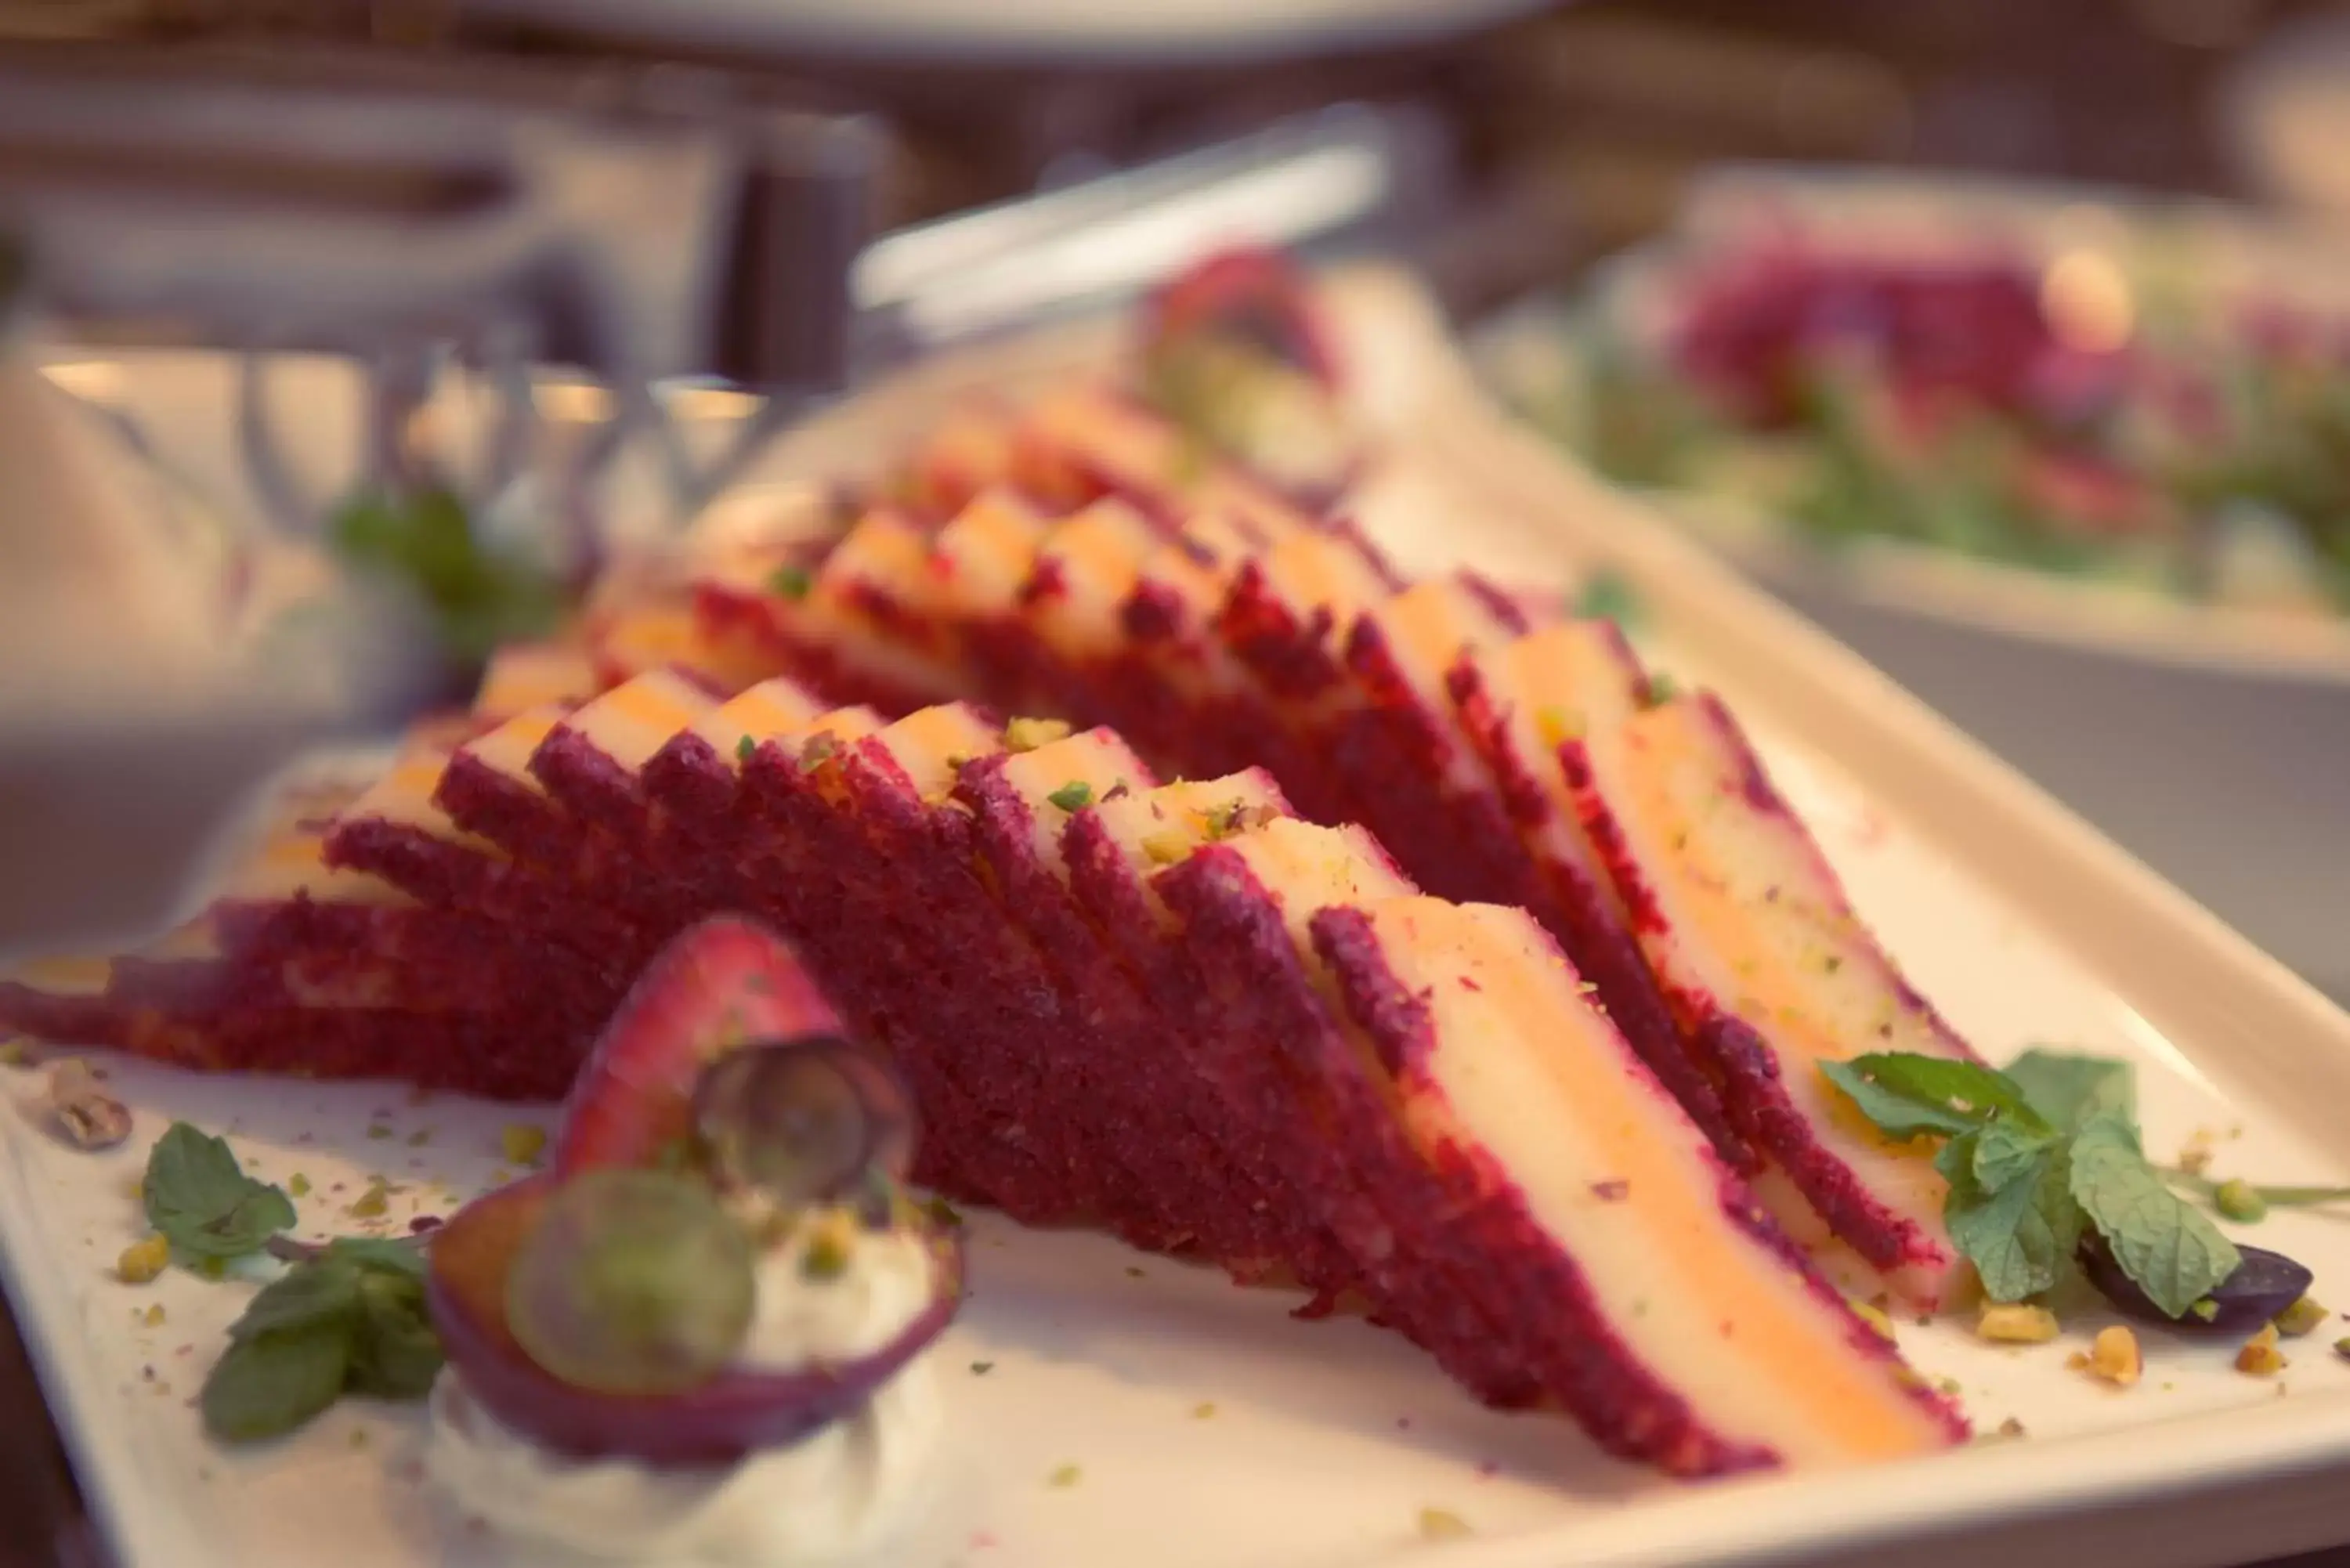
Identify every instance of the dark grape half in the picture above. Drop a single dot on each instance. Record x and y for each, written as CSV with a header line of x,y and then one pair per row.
x,y
634,1282
2263,1285
804,1120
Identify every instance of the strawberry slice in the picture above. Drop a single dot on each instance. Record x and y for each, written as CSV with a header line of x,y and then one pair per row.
x,y
1249,295
722,985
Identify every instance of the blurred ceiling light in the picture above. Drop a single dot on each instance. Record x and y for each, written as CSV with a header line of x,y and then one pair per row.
x,y
98,381
572,402
2087,301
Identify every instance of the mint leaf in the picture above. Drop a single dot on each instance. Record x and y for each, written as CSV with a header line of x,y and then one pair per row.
x,y
200,1198
2068,1089
2009,1209
2007,1151
2161,1241
1906,1095
396,1355
273,1383
307,1297
382,1254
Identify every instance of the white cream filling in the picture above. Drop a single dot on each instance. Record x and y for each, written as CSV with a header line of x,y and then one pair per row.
x,y
837,1496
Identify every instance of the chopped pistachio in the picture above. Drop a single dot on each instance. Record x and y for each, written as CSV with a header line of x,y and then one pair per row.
x,y
2240,1200
792,582
420,1138
1074,795
142,1260
1027,735
819,749
2260,1358
1166,848
372,1204
2303,1317
982,1368
298,1185
1874,1316
520,1143
153,1316
1204,1411
1559,725
15,1052
2342,1348
1064,1477
1662,688
2207,1309
1442,1524
2015,1322
831,1243
744,749
379,1131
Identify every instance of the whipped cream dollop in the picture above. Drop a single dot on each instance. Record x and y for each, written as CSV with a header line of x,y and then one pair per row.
x,y
841,1494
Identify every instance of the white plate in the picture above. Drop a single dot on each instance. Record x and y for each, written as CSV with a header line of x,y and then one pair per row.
x,y
1327,1440
986,31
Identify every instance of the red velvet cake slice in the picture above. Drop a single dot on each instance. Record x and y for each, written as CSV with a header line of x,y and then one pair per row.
x,y
1291,1076
1112,850
1081,443
590,761
1517,704
1585,1226
988,998
848,860
1760,951
1143,1092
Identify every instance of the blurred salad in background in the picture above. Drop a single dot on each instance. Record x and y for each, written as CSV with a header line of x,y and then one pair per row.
x,y
2055,412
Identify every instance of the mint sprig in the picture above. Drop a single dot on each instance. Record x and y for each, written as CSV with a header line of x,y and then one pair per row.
x,y
352,1321
201,1200
2037,1157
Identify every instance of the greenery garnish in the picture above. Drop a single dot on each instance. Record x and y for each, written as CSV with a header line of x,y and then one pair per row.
x,y
1073,795
791,581
479,598
201,1199
2037,1156
351,1321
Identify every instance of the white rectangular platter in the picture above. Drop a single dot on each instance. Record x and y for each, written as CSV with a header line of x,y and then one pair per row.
x,y
1111,1409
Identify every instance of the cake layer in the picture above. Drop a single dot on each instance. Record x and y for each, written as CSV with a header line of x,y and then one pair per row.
x,y
1760,952
1517,705
1676,1322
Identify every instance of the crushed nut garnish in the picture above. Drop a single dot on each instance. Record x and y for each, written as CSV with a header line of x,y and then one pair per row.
x,y
818,751
2016,1323
2114,1357
1027,735
1166,848
982,1368
2260,1357
1874,1316
2342,1348
1064,1477
1442,1524
372,1204
15,1052
298,1185
1203,1412
143,1260
1073,796
830,1247
521,1143
2240,1200
153,1316
2303,1317
744,749
87,1115
2011,1428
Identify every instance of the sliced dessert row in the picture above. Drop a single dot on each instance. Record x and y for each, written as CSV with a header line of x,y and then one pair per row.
x,y
1501,754
1186,1014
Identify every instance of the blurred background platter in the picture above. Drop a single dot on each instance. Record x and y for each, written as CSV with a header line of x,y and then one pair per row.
x,y
2210,738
